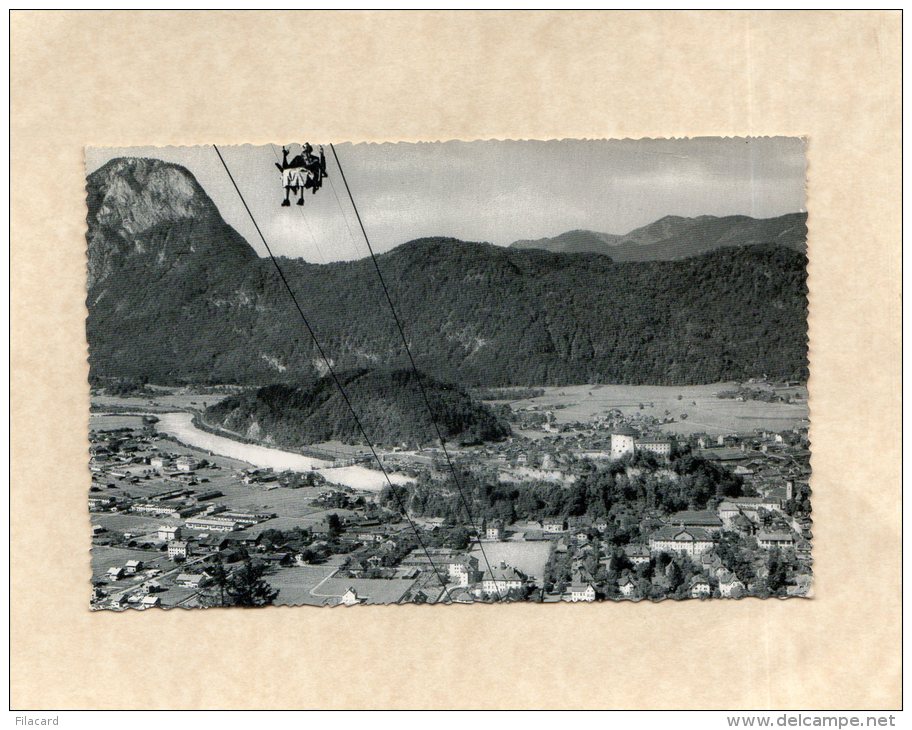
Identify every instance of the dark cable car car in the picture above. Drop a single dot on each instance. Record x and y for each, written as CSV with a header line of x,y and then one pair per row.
x,y
303,172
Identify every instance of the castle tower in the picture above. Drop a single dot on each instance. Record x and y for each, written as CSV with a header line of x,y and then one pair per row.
x,y
623,442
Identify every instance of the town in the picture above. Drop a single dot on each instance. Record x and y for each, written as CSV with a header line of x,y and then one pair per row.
x,y
612,507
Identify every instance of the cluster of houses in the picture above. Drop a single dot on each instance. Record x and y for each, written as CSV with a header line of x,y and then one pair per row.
x,y
775,466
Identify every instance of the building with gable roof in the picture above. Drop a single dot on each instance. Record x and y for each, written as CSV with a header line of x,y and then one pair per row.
x,y
637,554
501,579
730,586
696,518
772,540
689,541
699,587
581,592
626,586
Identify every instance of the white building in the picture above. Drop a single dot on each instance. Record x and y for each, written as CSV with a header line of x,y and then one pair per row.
x,y
192,580
690,541
699,587
494,530
501,579
581,592
185,463
178,549
637,554
100,503
167,533
623,442
463,572
211,524
727,512
351,598
730,586
662,449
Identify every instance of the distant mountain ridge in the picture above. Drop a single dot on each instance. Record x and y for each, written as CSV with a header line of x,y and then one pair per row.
x,y
176,295
674,237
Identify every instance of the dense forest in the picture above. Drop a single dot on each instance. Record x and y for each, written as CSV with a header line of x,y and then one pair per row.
x,y
390,406
623,492
178,296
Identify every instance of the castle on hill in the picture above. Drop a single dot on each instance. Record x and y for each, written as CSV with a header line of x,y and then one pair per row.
x,y
627,441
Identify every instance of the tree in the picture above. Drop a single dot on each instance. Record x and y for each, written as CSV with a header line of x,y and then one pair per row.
x,y
248,587
675,575
218,594
778,573
243,587
334,525
736,555
271,538
458,539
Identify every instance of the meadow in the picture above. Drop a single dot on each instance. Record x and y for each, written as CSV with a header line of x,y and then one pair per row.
x,y
706,413
113,421
527,557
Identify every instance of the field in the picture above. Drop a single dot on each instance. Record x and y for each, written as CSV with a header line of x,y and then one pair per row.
x,y
705,412
315,585
135,524
374,590
113,421
158,402
293,507
527,557
295,584
286,524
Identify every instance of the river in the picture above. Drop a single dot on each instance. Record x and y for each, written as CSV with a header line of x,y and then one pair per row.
x,y
180,426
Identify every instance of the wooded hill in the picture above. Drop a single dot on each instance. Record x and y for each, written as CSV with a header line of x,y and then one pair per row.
x,y
176,295
388,403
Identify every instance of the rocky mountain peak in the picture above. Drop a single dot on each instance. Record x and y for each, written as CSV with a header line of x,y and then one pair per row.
x,y
133,195
154,215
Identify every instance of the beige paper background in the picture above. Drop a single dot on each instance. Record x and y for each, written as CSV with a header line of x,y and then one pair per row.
x,y
105,78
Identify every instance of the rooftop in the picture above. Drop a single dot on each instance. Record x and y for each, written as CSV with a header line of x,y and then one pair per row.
x,y
779,536
503,572
695,517
624,431
681,534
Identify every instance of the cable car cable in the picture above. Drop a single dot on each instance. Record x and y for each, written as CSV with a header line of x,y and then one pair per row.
x,y
408,350
332,372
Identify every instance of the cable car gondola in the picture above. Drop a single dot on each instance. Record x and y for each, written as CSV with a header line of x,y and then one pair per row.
x,y
304,172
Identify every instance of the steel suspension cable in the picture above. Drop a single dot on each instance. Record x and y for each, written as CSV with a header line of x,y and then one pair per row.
x,y
332,373
408,351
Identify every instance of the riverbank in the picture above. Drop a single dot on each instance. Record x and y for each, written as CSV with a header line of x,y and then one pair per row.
x,y
180,426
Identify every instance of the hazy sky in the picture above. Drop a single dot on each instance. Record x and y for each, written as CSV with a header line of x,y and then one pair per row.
x,y
492,191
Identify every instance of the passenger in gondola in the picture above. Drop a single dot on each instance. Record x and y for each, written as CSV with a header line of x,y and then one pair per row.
x,y
304,171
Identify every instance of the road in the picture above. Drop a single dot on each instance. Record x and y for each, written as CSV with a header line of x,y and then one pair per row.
x,y
313,591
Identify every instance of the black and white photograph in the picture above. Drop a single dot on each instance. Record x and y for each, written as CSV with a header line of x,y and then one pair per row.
x,y
459,372
436,361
